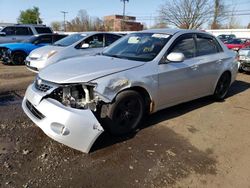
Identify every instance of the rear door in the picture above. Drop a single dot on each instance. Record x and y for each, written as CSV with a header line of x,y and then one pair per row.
x,y
209,58
22,33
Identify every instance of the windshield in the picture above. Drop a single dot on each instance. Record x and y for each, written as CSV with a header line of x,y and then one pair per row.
x,y
138,46
71,39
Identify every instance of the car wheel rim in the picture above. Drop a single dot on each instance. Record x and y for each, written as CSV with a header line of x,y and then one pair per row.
x,y
128,113
223,86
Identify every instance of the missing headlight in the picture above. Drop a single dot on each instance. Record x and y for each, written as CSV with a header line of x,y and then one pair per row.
x,y
76,96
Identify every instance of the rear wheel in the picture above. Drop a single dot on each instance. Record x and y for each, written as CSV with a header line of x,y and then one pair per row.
x,y
124,114
222,86
18,58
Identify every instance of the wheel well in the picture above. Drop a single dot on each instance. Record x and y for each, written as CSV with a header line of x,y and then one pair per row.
x,y
21,51
149,104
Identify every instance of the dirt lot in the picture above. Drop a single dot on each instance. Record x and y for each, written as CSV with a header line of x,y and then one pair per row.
x,y
198,144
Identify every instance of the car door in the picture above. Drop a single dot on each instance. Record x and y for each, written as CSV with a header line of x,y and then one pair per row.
x,y
178,81
22,33
10,35
210,58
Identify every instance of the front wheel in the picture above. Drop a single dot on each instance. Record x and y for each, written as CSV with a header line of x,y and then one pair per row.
x,y
222,86
18,58
125,114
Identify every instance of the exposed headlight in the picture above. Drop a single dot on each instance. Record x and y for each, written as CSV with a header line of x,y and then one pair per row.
x,y
79,96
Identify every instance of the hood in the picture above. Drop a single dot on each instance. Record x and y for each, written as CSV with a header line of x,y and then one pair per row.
x,y
85,69
13,46
44,50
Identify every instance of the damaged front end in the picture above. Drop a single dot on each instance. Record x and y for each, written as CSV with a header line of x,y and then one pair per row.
x,y
66,112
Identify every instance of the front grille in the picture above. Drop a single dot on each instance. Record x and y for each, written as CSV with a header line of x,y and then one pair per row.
x,y
34,111
42,87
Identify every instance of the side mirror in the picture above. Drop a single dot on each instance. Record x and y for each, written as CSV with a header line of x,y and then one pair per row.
x,y
85,45
176,57
2,34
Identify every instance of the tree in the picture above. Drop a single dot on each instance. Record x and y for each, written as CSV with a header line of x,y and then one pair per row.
x,y
56,26
83,22
219,14
186,14
30,16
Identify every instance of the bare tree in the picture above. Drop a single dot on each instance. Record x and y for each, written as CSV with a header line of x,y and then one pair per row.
x,y
56,26
219,14
83,22
186,14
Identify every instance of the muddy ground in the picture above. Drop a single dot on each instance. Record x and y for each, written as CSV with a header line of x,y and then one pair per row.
x,y
197,144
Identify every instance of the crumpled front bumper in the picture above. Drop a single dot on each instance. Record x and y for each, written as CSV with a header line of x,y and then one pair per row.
x,y
75,128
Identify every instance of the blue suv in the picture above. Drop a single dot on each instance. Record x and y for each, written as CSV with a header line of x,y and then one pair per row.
x,y
15,53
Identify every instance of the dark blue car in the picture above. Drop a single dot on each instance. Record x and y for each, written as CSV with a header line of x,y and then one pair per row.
x,y
15,53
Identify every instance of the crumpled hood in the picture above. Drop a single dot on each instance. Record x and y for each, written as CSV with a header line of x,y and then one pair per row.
x,y
45,50
85,69
14,46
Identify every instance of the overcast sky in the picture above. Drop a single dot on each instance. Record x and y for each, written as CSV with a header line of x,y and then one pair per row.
x,y
144,9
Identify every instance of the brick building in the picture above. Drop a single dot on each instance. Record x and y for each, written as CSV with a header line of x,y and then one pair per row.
x,y
115,23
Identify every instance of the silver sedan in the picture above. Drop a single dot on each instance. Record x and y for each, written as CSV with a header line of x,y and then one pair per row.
x,y
75,100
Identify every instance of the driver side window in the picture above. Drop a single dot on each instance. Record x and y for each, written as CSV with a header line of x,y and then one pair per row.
x,y
184,44
95,41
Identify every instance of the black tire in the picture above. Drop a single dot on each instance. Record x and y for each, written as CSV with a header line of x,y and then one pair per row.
x,y
18,58
240,70
222,86
125,114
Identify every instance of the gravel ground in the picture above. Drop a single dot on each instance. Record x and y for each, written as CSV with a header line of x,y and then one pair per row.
x,y
197,144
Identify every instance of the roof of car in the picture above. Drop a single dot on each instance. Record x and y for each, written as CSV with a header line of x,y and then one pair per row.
x,y
170,31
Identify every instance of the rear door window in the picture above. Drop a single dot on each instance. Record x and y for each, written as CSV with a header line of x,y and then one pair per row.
x,y
207,45
109,39
23,31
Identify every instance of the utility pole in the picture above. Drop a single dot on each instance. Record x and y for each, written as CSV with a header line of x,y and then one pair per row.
x,y
64,23
123,20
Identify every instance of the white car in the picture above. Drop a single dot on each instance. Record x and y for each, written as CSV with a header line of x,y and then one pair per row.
x,y
75,100
79,44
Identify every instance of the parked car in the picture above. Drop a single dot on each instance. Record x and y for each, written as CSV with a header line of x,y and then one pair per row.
x,y
74,45
244,60
225,38
20,32
15,53
75,100
237,43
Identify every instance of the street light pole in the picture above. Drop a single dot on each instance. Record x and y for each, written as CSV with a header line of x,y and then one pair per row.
x,y
123,20
64,23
